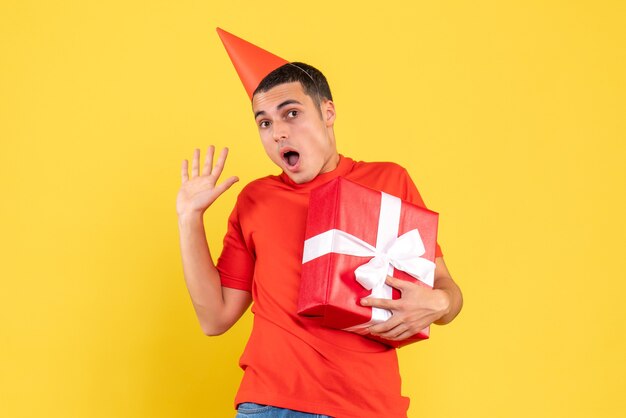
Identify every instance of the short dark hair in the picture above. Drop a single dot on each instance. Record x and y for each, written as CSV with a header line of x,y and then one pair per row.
x,y
312,80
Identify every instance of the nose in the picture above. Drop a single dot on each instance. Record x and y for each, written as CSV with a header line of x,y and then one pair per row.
x,y
279,131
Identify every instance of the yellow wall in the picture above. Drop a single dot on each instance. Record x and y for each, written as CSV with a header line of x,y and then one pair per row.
x,y
510,116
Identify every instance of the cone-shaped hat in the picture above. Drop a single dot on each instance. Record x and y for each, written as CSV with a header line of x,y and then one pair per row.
x,y
251,62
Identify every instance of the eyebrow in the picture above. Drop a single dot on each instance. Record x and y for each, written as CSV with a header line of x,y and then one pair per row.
x,y
280,106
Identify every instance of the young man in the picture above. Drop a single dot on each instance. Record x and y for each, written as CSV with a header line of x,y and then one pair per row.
x,y
291,363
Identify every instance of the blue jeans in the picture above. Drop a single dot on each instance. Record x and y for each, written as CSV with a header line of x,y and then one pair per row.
x,y
255,410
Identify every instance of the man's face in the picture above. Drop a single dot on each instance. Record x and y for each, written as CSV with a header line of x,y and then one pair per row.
x,y
294,135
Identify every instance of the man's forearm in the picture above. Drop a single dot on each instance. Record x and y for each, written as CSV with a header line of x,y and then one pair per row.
x,y
201,275
455,299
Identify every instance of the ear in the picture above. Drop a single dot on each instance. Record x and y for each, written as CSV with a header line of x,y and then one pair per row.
x,y
328,112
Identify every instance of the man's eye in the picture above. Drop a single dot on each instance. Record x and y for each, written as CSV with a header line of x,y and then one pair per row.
x,y
264,124
292,113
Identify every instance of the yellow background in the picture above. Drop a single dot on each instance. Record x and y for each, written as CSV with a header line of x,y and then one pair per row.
x,y
510,117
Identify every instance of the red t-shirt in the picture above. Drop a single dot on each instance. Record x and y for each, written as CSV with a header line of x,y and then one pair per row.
x,y
290,361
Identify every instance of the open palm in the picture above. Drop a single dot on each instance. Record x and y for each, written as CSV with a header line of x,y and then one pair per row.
x,y
197,193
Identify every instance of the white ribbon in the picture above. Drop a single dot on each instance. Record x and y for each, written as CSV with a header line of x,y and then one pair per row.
x,y
402,252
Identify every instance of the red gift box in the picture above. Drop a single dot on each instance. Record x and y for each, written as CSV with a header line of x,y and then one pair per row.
x,y
355,237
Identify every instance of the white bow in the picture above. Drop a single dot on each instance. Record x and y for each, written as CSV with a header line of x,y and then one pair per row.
x,y
404,254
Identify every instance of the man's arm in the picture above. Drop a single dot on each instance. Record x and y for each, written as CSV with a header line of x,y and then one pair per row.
x,y
444,282
418,306
217,308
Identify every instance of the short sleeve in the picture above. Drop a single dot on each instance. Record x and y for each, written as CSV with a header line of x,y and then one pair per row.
x,y
236,263
413,196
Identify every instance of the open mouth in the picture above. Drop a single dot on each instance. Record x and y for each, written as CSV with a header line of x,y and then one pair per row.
x,y
291,158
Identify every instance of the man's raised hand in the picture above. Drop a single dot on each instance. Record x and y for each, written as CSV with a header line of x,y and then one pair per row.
x,y
197,193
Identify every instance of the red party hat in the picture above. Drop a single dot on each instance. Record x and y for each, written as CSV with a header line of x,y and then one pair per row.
x,y
251,62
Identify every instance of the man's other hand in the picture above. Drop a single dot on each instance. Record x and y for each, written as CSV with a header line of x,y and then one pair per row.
x,y
417,308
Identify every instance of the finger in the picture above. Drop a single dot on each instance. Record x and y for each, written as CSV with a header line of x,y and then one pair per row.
x,y
386,326
403,336
380,303
394,332
208,160
225,185
195,163
219,165
184,172
396,283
